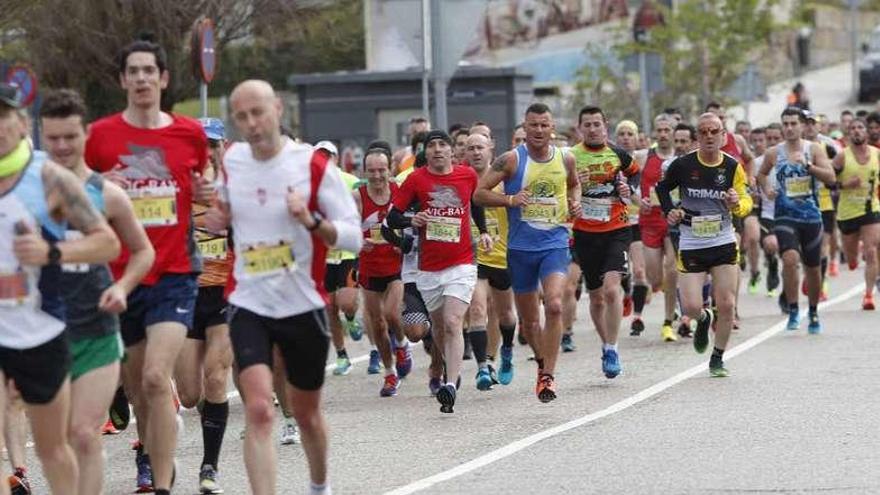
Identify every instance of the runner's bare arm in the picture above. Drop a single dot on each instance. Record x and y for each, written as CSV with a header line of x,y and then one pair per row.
x,y
766,166
120,214
821,167
573,185
502,168
67,199
838,162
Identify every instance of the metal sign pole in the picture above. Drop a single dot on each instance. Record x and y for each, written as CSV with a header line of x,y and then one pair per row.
x,y
644,99
426,58
203,96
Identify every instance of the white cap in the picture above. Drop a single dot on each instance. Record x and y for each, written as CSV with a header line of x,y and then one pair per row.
x,y
329,146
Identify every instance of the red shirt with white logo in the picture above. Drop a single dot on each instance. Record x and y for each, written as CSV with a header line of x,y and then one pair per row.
x,y
158,164
446,241
383,260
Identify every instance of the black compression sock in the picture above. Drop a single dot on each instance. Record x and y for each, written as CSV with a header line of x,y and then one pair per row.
x,y
640,294
507,334
717,353
478,343
824,266
342,353
214,417
540,362
626,283
667,322
159,491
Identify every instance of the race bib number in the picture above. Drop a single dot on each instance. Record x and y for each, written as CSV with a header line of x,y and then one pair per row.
x,y
706,226
268,260
541,210
596,209
155,211
13,288
376,234
334,257
213,249
443,229
797,187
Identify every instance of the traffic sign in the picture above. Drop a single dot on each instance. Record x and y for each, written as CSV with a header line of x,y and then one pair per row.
x,y
206,50
23,77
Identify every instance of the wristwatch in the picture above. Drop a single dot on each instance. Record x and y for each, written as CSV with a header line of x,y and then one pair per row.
x,y
318,218
54,254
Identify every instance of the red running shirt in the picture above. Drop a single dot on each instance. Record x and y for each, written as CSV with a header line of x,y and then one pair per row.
x,y
383,260
652,173
446,240
158,164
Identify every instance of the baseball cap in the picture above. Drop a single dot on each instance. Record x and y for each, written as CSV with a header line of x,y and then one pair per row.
x,y
9,95
215,130
329,146
437,134
809,115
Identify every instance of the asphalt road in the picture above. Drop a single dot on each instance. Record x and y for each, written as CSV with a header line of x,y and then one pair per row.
x,y
797,415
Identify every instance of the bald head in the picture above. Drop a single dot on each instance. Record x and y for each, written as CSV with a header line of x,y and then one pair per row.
x,y
252,88
256,111
710,134
709,117
479,152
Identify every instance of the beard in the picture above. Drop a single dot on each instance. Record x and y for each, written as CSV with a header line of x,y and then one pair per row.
x,y
858,141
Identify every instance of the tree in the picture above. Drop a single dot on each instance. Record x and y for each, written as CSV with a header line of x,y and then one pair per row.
x,y
74,44
705,46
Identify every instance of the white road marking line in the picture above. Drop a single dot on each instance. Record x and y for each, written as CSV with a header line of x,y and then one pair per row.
x,y
522,444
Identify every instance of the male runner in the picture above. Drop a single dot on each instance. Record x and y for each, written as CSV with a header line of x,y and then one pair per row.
x,y
157,158
286,206
635,282
91,297
712,188
540,192
858,211
202,370
812,133
39,200
602,234
447,274
657,245
797,165
404,158
379,269
493,281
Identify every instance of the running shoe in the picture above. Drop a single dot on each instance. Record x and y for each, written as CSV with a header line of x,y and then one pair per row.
x,y
794,320
109,429
505,373
493,374
772,280
484,380
610,363
868,302
354,327
144,470
772,292
19,483
701,335
814,327
375,366
667,334
289,432
754,280
434,385
568,343
717,369
404,359
636,327
120,413
684,328
446,398
545,388
389,388
343,366
627,306
208,480
833,269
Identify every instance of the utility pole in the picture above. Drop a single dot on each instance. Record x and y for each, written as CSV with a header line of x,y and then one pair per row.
x,y
426,58
854,46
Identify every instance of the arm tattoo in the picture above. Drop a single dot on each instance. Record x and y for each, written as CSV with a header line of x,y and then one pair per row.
x,y
74,202
500,163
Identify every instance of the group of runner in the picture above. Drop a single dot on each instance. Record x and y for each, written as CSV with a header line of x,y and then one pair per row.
x,y
150,236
